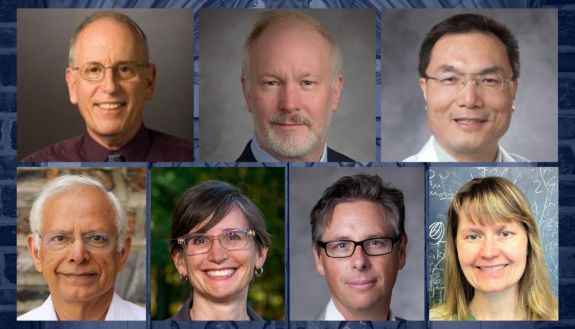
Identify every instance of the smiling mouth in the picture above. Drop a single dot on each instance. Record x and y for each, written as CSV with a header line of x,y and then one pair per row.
x,y
110,105
466,121
221,273
361,284
492,268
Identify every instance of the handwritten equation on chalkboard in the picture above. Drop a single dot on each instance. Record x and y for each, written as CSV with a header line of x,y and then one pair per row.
x,y
540,185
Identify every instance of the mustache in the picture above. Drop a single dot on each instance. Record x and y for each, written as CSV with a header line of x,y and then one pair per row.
x,y
286,118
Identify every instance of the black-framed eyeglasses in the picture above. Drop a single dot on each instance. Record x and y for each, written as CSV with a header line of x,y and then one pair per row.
x,y
96,71
199,243
372,247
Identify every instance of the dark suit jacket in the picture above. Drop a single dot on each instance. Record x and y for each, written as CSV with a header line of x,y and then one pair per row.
x,y
332,156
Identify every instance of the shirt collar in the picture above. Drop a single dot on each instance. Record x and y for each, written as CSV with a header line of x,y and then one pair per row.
x,y
443,156
135,150
333,314
262,156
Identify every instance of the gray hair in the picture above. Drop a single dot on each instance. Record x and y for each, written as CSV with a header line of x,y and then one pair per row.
x,y
282,17
118,17
64,183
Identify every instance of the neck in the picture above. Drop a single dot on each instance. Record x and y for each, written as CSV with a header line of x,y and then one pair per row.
x,y
486,154
497,306
113,142
89,310
378,311
208,310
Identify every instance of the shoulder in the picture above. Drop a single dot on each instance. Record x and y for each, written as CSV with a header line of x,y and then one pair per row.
x,y
426,154
64,150
511,157
334,156
125,310
44,312
440,312
170,148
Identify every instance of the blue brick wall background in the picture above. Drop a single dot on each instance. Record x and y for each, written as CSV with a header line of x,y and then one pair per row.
x,y
8,144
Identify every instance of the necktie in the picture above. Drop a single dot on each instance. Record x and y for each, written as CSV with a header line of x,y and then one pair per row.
x,y
115,156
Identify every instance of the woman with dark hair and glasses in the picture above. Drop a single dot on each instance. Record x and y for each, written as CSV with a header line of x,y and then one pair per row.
x,y
218,242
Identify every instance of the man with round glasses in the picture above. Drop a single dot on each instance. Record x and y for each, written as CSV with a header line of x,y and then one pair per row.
x,y
79,243
359,245
109,78
469,70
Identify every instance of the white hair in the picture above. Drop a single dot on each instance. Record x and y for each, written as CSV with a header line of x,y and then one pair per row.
x,y
67,182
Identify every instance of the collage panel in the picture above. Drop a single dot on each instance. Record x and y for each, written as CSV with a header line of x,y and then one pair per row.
x,y
71,108
81,243
304,78
493,243
508,113
239,277
376,269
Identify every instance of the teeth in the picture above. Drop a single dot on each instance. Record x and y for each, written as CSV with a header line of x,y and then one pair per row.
x,y
469,121
220,272
109,106
491,268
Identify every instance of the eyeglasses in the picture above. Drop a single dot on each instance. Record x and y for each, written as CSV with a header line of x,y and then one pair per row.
x,y
457,81
94,241
346,248
96,71
230,240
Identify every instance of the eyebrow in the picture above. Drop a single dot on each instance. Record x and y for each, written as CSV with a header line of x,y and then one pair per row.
x,y
487,70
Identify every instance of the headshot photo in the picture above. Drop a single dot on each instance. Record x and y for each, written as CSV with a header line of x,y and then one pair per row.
x,y
107,85
493,244
356,244
218,244
287,85
469,85
81,244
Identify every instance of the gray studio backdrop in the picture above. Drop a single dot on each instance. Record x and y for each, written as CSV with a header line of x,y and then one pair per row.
x,y
533,130
308,289
225,123
45,114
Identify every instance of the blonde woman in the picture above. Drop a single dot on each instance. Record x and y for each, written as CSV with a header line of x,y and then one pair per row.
x,y
494,263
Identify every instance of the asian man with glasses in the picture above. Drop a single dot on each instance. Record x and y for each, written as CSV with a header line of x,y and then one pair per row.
x,y
79,242
469,71
359,246
110,78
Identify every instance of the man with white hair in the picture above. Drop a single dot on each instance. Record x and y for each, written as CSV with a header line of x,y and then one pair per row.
x,y
78,242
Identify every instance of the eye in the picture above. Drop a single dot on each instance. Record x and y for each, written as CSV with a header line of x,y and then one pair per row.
x,y
450,80
97,238
491,81
200,240
271,83
233,236
57,238
341,244
472,237
308,83
506,234
93,69
376,242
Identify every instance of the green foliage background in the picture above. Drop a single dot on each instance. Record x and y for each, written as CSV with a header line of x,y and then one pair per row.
x,y
265,187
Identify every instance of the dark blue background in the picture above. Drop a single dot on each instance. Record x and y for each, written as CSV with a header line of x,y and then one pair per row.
x,y
8,154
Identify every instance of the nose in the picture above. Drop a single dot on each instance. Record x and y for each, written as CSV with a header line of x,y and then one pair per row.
x,y
489,249
469,96
109,83
78,252
289,97
359,259
217,253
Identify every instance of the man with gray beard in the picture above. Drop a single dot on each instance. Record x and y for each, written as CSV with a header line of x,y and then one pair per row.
x,y
291,81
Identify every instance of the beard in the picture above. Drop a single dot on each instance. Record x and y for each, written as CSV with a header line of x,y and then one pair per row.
x,y
291,144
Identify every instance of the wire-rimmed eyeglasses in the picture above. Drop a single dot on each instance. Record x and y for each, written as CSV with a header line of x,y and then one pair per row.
x,y
101,242
372,247
96,71
490,82
198,243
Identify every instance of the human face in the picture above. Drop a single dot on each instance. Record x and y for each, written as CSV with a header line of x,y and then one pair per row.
x,y
77,274
468,123
112,108
493,256
360,285
291,91
221,275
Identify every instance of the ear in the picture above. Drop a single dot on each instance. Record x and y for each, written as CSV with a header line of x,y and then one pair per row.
x,y
124,253
318,262
247,92
180,262
71,82
423,86
150,77
261,258
402,250
34,252
336,92
513,88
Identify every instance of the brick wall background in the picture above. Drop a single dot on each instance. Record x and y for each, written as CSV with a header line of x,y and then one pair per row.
x,y
129,186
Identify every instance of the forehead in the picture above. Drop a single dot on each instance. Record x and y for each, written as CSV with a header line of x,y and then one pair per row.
x,y
107,37
78,205
469,52
358,219
291,43
234,219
